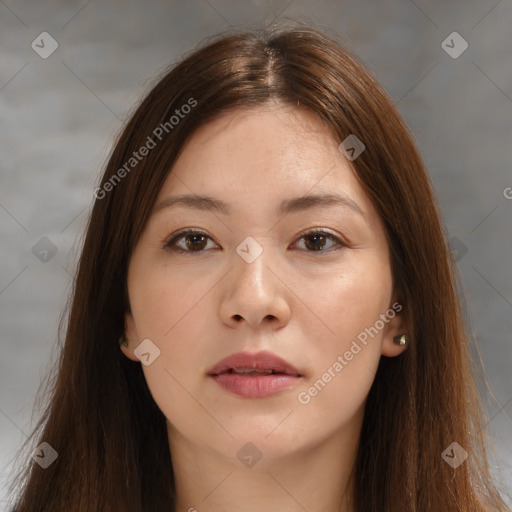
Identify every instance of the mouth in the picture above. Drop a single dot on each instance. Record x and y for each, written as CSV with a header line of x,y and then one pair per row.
x,y
252,371
255,375
261,363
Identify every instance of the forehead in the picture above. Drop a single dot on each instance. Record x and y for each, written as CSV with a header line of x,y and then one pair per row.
x,y
263,156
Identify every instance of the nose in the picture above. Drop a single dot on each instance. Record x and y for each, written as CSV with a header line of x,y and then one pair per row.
x,y
254,293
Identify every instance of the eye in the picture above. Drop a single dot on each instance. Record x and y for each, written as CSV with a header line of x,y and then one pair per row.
x,y
196,241
317,240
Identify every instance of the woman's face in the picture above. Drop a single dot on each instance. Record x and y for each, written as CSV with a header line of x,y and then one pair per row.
x,y
310,283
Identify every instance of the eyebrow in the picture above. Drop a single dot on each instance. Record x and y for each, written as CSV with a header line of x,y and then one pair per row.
x,y
296,204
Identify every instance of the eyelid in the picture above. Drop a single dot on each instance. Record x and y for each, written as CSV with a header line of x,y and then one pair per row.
x,y
325,231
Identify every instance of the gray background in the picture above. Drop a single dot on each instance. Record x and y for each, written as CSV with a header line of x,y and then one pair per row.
x,y
60,114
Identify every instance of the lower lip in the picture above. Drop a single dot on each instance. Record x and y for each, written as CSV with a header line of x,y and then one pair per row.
x,y
255,386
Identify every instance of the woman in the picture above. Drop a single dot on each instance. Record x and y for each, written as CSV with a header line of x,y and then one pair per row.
x,y
265,314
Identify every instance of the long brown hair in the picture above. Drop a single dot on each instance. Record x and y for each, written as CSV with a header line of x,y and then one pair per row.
x,y
111,437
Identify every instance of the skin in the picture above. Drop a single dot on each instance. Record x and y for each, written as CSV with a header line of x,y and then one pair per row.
x,y
306,306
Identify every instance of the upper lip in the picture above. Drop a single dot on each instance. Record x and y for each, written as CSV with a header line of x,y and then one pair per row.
x,y
258,361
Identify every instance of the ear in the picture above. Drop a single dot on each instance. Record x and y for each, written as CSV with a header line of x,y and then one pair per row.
x,y
395,327
131,337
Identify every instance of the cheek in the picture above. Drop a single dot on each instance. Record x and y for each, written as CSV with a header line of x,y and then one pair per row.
x,y
172,315
350,300
166,306
345,356
169,313
162,298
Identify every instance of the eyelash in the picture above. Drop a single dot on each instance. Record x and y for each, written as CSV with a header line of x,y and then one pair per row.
x,y
169,242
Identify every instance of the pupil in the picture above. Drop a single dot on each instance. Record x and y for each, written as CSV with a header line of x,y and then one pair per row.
x,y
193,243
317,237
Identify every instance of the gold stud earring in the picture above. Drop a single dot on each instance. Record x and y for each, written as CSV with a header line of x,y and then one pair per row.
x,y
401,340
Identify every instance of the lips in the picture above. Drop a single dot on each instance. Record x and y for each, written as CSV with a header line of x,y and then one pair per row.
x,y
260,375
247,364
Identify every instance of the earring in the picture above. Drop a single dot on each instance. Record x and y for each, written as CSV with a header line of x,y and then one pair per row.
x,y
123,341
403,339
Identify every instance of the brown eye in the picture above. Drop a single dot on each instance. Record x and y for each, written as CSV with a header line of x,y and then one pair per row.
x,y
190,241
317,240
